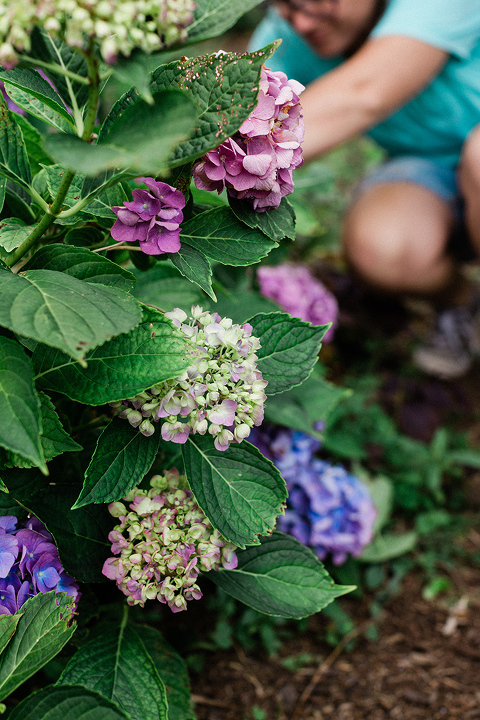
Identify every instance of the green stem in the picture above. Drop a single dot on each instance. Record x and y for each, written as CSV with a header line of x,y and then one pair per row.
x,y
53,67
55,208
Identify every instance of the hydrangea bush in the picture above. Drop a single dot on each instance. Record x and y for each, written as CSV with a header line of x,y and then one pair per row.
x,y
115,354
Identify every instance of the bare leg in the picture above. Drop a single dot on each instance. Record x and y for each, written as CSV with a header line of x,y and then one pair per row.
x,y
469,176
395,236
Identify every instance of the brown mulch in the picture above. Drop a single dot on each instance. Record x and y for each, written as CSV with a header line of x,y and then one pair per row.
x,y
425,664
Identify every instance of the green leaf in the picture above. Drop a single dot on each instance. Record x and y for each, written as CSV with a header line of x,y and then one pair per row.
x,y
117,665
40,110
53,50
121,460
150,353
18,203
102,205
8,625
239,490
33,143
222,237
280,577
193,265
239,305
173,671
80,535
302,407
94,186
289,349
164,287
55,175
382,493
140,138
66,703
3,191
135,71
35,86
19,404
54,439
470,458
214,17
82,264
86,236
14,162
223,87
41,633
12,233
72,152
275,224
64,312
21,484
388,546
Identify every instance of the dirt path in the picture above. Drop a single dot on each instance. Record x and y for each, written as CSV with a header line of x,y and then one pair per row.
x,y
426,664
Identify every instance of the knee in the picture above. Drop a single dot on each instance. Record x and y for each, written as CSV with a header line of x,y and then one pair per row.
x,y
388,253
469,169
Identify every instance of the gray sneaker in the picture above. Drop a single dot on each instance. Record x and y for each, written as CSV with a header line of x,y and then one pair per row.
x,y
455,340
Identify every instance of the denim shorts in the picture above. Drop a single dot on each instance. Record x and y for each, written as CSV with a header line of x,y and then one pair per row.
x,y
441,180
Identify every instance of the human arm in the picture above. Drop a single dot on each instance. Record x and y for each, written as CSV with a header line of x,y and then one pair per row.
x,y
378,79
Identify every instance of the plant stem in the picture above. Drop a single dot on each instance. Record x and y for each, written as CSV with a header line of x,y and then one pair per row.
x,y
54,209
117,247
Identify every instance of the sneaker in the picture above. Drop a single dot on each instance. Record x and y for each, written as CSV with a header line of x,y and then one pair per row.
x,y
455,340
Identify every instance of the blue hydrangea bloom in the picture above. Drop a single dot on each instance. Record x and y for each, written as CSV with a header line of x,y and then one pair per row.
x,y
328,508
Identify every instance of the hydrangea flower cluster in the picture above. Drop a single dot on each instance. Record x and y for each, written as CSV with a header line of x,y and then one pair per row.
x,y
153,218
163,543
328,508
221,392
118,25
257,162
29,564
295,289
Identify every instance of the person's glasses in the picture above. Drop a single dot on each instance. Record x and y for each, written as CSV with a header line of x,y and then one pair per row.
x,y
309,8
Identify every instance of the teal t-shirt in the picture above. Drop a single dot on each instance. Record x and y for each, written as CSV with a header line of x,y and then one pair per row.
x,y
436,122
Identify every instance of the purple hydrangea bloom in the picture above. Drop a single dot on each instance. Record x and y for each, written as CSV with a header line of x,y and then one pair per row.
x,y
257,162
153,218
300,294
328,508
29,564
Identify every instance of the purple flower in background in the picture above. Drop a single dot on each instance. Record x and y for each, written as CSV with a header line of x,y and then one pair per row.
x,y
153,218
300,294
328,508
29,564
258,162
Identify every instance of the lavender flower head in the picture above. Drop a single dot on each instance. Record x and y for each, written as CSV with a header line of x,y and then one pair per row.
x,y
328,508
116,25
221,392
29,564
257,162
162,544
300,294
152,217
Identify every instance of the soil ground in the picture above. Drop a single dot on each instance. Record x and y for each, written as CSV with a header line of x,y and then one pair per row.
x,y
425,664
